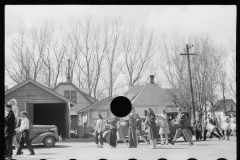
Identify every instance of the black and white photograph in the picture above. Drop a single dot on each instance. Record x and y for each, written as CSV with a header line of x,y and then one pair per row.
x,y
120,82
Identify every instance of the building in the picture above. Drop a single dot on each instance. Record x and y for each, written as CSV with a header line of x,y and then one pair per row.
x,y
44,106
6,87
82,100
230,106
89,114
149,95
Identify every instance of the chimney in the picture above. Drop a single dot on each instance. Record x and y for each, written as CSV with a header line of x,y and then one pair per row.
x,y
68,77
152,79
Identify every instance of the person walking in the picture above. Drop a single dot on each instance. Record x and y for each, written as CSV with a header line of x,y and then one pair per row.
x,y
113,133
210,121
132,129
164,128
99,132
152,128
119,132
24,130
197,125
140,132
15,110
9,132
181,126
233,125
226,127
215,123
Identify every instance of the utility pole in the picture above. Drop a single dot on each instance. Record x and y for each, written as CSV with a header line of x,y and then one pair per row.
x,y
190,77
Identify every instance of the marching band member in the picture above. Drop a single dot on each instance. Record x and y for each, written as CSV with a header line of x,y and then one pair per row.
x,y
210,121
164,128
181,126
227,128
132,124
152,128
233,124
215,123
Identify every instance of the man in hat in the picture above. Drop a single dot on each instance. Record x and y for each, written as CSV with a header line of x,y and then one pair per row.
x,y
181,126
132,129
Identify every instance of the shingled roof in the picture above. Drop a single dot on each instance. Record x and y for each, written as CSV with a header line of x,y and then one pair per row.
x,y
149,94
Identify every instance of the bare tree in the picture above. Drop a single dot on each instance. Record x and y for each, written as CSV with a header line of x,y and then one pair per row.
x,y
138,48
223,85
205,68
114,67
25,62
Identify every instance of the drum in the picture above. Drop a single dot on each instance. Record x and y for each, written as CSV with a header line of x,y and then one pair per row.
x,y
225,126
233,126
210,127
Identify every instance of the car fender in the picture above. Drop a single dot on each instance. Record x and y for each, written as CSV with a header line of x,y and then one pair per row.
x,y
105,133
40,138
191,129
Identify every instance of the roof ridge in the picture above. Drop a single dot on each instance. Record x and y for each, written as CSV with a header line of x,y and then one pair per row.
x,y
102,100
139,93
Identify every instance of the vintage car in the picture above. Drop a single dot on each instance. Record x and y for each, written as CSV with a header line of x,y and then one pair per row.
x,y
171,115
42,134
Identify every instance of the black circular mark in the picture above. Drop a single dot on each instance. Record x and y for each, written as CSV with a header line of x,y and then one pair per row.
x,y
121,106
192,159
221,159
162,159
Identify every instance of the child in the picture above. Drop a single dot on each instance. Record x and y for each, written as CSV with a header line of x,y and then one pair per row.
x,y
198,128
24,129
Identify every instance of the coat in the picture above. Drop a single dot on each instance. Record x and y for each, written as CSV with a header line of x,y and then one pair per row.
x,y
152,127
183,120
197,125
10,124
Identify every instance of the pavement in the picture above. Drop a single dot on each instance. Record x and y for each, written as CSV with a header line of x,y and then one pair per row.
x,y
211,149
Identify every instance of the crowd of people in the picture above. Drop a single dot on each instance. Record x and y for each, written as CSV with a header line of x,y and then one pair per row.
x,y
149,134
13,125
210,124
134,124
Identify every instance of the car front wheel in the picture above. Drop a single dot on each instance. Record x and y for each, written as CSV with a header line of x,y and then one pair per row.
x,y
49,141
189,133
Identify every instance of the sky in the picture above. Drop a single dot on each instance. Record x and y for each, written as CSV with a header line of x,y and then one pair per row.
x,y
219,21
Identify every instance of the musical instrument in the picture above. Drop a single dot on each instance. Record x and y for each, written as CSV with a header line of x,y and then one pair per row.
x,y
225,126
233,126
210,127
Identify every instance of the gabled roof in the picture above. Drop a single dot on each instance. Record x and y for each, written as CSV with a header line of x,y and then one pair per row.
x,y
152,94
134,89
221,102
90,99
94,105
41,86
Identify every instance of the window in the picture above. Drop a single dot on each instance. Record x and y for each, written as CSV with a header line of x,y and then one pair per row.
x,y
73,96
67,94
231,107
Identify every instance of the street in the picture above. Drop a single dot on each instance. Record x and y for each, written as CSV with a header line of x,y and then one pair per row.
x,y
211,149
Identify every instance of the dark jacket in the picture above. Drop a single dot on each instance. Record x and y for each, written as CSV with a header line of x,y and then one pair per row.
x,y
197,125
10,124
183,121
139,124
113,123
133,120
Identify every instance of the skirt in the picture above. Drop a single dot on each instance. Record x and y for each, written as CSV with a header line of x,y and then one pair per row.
x,y
120,134
164,130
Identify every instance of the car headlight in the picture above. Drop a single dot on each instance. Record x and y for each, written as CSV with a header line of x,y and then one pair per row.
x,y
53,130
